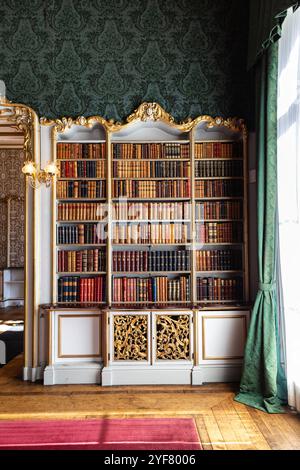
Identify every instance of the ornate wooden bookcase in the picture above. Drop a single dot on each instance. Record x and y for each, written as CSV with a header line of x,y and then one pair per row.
x,y
170,213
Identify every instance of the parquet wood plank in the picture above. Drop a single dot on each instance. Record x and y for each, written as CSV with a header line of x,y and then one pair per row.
x,y
243,441
287,436
293,420
203,434
213,430
258,440
226,429
272,433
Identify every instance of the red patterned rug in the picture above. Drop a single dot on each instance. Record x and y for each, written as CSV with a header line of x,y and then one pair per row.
x,y
100,434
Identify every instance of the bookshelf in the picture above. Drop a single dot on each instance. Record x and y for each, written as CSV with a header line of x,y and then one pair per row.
x,y
151,216
150,212
80,217
220,215
149,231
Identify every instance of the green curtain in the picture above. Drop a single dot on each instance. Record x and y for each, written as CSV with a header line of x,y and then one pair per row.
x,y
263,384
265,20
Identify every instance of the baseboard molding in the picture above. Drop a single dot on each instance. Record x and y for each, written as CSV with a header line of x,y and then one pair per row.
x,y
77,373
216,373
147,375
94,373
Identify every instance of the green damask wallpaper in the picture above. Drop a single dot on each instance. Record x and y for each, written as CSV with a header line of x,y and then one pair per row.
x,y
84,57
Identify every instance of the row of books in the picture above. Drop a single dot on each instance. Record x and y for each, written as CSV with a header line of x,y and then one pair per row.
x,y
218,168
81,261
81,189
83,169
144,169
81,289
157,233
155,289
214,289
151,211
150,151
149,189
177,260
83,234
219,232
218,260
219,210
78,151
81,211
218,150
219,188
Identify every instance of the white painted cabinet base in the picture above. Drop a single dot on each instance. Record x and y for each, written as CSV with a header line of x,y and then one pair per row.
x,y
216,373
147,375
78,373
214,355
74,355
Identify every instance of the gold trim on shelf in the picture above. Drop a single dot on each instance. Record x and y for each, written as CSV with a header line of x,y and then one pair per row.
x,y
196,333
223,358
233,124
147,111
59,347
63,124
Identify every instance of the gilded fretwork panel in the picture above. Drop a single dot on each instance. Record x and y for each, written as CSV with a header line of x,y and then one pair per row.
x,y
173,337
130,337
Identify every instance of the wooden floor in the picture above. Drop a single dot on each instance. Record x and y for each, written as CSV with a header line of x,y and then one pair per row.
x,y
11,313
222,423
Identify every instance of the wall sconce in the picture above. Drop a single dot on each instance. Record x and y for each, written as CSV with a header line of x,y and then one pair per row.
x,y
37,177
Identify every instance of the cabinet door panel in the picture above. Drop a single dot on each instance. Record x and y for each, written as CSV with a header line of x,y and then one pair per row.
x,y
222,336
130,337
172,336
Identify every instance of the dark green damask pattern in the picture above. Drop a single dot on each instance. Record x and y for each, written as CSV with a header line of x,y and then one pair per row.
x,y
71,57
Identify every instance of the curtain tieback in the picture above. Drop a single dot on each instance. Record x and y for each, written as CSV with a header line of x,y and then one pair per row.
x,y
267,287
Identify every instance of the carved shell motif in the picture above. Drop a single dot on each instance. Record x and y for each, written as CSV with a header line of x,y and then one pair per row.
x,y
150,112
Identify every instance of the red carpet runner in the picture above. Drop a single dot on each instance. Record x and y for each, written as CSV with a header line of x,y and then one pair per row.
x,y
98,434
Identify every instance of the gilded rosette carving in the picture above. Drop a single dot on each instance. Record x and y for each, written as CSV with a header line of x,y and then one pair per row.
x,y
173,337
130,337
